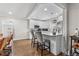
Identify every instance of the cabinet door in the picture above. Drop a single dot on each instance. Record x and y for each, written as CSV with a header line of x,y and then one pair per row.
x,y
59,44
53,47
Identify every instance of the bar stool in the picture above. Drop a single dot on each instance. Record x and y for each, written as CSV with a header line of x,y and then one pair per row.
x,y
34,39
42,44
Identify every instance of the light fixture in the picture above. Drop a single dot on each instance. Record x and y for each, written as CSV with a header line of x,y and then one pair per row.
x,y
56,13
45,9
10,12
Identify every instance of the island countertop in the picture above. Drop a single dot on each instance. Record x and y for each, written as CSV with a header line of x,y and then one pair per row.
x,y
49,33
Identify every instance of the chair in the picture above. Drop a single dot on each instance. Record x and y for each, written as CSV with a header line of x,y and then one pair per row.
x,y
3,46
9,38
75,45
8,47
34,39
42,44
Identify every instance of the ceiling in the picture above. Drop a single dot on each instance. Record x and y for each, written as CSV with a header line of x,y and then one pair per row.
x,y
16,10
40,11
44,11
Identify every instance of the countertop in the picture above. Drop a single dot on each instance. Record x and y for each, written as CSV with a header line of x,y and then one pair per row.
x,y
49,33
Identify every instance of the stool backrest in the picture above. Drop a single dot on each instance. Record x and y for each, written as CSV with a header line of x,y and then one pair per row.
x,y
32,32
39,36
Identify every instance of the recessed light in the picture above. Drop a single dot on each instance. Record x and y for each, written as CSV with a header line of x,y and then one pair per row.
x,y
56,13
10,12
45,9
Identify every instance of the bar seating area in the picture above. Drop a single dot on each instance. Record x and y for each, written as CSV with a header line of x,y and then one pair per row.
x,y
41,43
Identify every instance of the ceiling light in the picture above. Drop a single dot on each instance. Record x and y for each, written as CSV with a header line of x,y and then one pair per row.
x,y
10,12
45,9
56,13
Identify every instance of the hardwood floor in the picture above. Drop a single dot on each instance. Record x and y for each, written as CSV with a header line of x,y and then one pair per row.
x,y
24,48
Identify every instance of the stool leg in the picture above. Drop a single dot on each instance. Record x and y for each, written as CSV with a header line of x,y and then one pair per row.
x,y
37,46
49,47
41,50
32,42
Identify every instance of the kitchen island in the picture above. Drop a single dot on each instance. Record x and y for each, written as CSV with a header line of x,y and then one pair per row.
x,y
55,40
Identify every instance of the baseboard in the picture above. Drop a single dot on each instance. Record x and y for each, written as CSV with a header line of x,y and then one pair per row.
x,y
20,39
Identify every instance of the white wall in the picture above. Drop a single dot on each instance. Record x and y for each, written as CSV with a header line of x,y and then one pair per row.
x,y
73,17
20,28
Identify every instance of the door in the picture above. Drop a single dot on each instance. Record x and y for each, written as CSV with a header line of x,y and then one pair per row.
x,y
7,28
